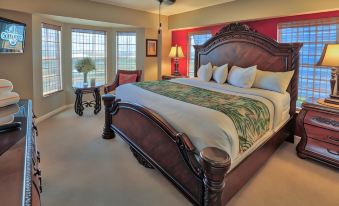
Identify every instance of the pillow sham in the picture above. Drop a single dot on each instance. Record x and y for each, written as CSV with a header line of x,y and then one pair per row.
x,y
242,77
127,78
205,72
220,74
274,81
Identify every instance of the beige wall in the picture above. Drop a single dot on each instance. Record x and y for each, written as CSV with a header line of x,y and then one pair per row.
x,y
166,44
151,63
51,102
242,10
25,69
67,58
84,9
43,105
18,67
140,48
155,67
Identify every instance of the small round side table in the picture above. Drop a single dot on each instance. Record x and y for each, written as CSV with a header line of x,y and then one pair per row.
x,y
80,89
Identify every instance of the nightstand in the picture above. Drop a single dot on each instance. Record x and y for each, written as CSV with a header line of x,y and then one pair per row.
x,y
168,77
320,133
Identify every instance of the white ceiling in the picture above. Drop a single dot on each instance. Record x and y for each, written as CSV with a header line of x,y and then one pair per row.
x,y
152,6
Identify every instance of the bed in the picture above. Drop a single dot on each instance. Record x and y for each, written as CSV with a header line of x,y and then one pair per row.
x,y
191,145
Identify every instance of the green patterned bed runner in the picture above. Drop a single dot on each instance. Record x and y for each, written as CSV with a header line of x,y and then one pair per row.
x,y
250,117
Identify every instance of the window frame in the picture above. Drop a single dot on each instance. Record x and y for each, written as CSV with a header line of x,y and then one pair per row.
x,y
117,49
305,27
57,28
188,53
92,31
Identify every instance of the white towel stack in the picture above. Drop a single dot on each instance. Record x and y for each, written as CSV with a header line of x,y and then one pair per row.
x,y
8,100
7,114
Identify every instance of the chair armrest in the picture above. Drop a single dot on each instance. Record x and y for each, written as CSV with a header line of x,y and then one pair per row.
x,y
111,87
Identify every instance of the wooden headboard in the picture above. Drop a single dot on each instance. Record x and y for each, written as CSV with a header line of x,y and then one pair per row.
x,y
238,44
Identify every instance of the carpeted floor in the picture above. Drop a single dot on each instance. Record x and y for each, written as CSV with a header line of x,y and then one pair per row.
x,y
80,168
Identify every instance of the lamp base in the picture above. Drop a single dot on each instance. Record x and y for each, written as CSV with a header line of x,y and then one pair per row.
x,y
176,68
176,73
333,99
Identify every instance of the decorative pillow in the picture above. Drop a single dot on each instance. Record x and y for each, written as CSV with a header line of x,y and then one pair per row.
x,y
220,74
5,85
242,77
205,72
127,78
8,98
274,81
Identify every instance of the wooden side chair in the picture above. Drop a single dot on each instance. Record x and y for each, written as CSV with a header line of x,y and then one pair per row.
x,y
123,77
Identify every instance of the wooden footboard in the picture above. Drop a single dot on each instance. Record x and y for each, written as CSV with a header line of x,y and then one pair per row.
x,y
156,144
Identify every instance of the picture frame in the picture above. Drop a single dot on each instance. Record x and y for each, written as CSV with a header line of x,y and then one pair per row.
x,y
151,47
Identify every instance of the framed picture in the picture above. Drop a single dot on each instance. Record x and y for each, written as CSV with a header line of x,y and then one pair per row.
x,y
151,47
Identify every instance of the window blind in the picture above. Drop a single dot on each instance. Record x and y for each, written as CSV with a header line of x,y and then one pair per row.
x,y
195,39
89,43
126,50
51,58
314,34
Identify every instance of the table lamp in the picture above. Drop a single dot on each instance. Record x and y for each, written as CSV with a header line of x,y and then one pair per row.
x,y
176,53
330,58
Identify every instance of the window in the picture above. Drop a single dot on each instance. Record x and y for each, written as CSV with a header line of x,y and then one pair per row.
x,y
313,80
89,43
195,39
126,50
51,58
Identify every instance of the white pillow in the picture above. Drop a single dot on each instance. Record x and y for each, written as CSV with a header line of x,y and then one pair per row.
x,y
220,74
242,77
274,81
205,72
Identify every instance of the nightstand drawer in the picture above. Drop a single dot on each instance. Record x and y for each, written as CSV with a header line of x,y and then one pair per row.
x,y
323,120
322,134
323,148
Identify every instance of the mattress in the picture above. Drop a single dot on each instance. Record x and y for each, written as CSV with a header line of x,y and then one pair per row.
x,y
206,127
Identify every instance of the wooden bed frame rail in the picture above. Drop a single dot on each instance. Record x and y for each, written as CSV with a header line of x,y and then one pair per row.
x,y
205,178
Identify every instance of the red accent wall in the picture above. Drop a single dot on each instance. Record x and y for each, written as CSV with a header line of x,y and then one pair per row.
x,y
267,27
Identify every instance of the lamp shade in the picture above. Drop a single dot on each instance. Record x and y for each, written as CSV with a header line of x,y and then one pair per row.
x,y
330,56
176,52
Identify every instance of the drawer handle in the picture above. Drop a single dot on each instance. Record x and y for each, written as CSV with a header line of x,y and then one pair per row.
x,y
333,152
38,156
40,184
35,129
37,172
333,138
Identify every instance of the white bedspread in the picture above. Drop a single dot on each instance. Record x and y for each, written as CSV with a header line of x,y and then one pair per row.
x,y
204,126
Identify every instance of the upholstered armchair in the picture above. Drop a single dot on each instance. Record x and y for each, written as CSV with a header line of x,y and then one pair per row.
x,y
124,77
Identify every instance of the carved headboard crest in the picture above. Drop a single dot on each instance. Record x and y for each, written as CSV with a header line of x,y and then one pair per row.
x,y
235,27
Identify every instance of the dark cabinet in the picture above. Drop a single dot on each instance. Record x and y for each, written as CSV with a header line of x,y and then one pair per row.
x,y
320,133
20,175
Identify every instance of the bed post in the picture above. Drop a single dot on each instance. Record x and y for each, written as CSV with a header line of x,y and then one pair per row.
x,y
108,99
215,164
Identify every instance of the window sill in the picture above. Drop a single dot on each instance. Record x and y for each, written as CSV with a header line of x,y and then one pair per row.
x,y
52,93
